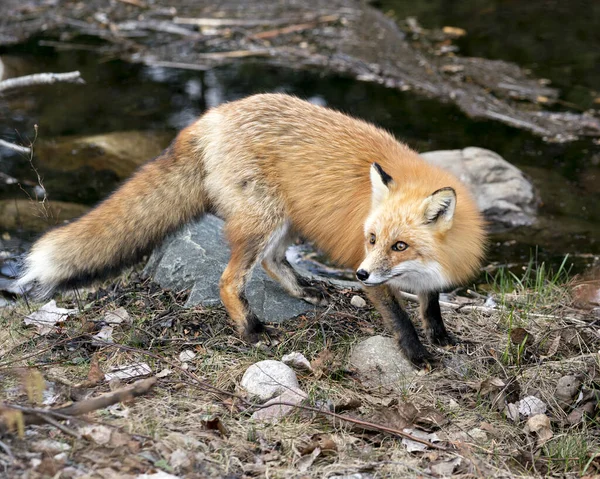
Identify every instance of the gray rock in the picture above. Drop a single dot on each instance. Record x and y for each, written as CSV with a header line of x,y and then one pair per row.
x,y
266,379
502,192
380,364
195,257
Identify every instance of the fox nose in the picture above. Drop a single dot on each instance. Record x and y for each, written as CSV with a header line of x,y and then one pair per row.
x,y
362,275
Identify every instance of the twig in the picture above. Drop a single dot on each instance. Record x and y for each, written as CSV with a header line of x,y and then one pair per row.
x,y
7,450
50,420
231,22
203,386
40,79
12,146
293,28
135,3
39,416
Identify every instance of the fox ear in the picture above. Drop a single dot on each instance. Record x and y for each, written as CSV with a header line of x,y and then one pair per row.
x,y
380,184
439,208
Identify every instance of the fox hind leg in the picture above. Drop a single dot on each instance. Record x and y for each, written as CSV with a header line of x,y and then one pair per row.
x,y
245,251
432,319
277,267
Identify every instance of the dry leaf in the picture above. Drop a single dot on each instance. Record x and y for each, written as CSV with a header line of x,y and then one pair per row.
x,y
214,423
491,385
128,372
540,426
531,406
305,462
413,446
47,317
519,336
553,348
322,362
95,374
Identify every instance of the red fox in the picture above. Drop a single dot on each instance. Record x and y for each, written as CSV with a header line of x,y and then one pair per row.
x,y
275,167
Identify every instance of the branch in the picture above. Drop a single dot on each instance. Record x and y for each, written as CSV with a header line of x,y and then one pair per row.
x,y
40,79
40,416
12,146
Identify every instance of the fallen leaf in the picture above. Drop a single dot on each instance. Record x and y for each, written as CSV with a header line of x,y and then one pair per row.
x,y
519,336
117,316
491,385
322,362
98,433
414,446
214,423
531,406
322,441
445,468
553,348
95,374
47,317
567,388
130,371
540,426
305,462
186,356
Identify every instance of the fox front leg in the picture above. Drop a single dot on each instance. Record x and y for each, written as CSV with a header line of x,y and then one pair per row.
x,y
398,321
432,319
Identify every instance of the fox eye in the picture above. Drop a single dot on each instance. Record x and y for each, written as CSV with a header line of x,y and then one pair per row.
x,y
399,246
372,238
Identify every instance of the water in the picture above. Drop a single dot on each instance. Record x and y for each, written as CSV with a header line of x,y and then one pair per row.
x,y
120,96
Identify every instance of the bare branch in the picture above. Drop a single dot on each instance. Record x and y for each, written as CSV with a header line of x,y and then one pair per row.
x,y
40,416
40,79
12,146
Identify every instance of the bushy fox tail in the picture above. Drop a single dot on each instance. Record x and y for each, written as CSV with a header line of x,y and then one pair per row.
x,y
161,196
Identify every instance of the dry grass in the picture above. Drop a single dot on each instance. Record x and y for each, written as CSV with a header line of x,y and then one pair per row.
x,y
178,414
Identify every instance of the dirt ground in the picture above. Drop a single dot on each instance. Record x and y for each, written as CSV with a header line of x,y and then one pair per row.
x,y
195,422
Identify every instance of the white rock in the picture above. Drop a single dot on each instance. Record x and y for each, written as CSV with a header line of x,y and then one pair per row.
x,y
358,302
297,360
380,363
531,406
273,410
269,378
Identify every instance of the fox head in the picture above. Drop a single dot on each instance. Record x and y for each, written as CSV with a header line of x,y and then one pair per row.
x,y
405,235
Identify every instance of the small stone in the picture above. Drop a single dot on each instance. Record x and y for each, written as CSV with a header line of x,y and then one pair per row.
x,y
358,302
380,363
268,378
297,360
273,410
179,459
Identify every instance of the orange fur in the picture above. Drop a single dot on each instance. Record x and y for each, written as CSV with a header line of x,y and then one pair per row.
x,y
271,166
